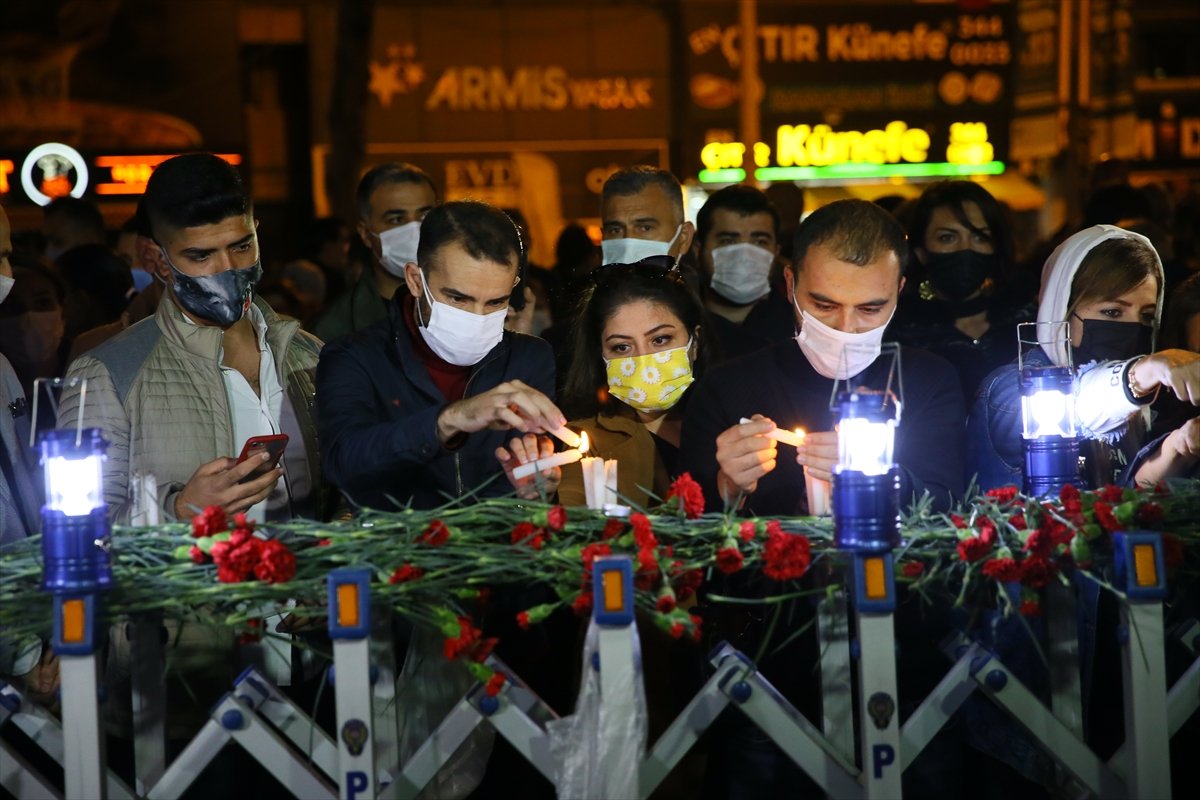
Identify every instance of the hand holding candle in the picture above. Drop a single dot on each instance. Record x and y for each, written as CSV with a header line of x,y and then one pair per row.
x,y
550,462
795,437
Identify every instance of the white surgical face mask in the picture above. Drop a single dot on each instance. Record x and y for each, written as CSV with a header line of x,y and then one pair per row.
x,y
836,354
741,272
457,336
6,284
398,247
631,251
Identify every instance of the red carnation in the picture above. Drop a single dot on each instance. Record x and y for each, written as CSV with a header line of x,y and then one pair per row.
x,y
582,604
466,643
785,556
1037,572
612,529
1111,494
1104,516
324,542
913,569
1018,521
1031,608
666,602
647,561
748,530
593,551
729,560
197,555
523,620
1068,493
241,523
406,573
676,630
774,527
687,583
209,522
1003,494
236,562
643,531
556,518
528,533
987,530
691,497
958,521
435,535
276,564
1150,515
1004,570
495,684
973,548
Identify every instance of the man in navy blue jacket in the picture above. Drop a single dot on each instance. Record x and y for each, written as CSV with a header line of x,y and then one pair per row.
x,y
416,409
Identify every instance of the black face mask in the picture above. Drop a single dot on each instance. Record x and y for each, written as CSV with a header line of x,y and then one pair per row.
x,y
1110,340
222,298
958,275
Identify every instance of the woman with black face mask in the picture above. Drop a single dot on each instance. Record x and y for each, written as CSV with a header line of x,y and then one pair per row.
x,y
1106,285
961,301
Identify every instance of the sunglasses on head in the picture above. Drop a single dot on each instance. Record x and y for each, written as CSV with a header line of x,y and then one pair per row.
x,y
664,266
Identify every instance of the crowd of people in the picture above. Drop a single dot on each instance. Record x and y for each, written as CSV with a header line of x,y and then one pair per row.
x,y
415,355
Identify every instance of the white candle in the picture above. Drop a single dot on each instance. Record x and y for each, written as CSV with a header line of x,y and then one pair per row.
x,y
818,495
599,482
550,462
610,483
568,437
588,465
794,438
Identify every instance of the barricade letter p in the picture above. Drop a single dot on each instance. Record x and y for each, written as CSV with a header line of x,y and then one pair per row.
x,y
356,784
883,755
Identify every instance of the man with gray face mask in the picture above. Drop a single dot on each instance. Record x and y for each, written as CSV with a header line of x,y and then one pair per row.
x,y
393,198
180,393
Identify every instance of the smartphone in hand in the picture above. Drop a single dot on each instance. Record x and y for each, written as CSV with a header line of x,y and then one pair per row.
x,y
273,444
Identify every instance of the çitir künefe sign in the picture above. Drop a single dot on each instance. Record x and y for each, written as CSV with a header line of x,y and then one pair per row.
x,y
854,69
505,74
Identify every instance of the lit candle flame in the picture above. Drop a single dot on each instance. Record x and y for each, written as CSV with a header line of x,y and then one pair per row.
x,y
583,442
800,432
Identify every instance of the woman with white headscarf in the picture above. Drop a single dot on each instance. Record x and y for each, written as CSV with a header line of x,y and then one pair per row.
x,y
1106,284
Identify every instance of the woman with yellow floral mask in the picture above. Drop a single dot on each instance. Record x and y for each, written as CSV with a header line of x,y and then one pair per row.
x,y
638,346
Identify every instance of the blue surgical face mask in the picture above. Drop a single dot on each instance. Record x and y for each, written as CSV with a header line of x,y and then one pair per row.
x,y
222,298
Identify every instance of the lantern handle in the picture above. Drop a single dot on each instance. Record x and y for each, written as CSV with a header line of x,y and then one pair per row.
x,y
1059,332
895,377
59,384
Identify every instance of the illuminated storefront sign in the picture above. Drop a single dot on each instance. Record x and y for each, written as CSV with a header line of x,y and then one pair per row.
x,y
56,170
818,152
128,174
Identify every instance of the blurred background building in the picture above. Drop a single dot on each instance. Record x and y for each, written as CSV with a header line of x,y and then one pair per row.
x,y
530,104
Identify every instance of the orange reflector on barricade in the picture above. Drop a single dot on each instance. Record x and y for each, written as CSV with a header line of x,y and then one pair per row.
x,y
347,600
74,619
1145,566
875,582
614,590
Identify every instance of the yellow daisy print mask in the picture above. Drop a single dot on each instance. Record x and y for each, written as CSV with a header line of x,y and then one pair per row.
x,y
651,382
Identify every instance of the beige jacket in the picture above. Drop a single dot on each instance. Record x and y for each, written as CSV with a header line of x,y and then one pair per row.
x,y
157,393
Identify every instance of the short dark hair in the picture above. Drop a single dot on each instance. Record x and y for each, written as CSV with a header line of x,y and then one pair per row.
x,y
613,286
391,172
484,231
82,215
857,231
742,200
193,189
955,195
632,180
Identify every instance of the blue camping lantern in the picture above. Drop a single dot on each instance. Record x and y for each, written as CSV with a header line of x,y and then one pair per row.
x,y
866,481
75,527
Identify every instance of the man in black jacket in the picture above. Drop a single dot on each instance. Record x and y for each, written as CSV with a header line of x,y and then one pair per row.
x,y
844,287
417,407
844,290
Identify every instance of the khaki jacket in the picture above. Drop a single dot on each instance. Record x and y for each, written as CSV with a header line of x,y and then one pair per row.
x,y
157,393
639,469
